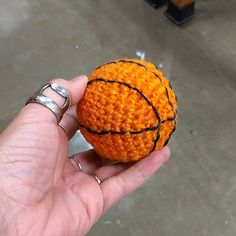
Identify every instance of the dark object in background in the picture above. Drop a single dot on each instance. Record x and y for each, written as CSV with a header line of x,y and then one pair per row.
x,y
157,3
180,11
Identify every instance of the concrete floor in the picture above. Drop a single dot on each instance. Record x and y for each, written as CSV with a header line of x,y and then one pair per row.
x,y
195,193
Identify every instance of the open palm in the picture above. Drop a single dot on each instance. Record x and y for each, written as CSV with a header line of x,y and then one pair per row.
x,y
41,191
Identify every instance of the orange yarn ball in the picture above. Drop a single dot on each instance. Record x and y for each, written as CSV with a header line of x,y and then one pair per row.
x,y
128,110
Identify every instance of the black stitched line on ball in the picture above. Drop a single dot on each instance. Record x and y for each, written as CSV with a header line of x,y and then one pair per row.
x,y
119,132
173,130
129,86
155,140
139,64
133,62
168,119
128,61
170,85
140,131
108,63
167,95
156,75
131,132
175,111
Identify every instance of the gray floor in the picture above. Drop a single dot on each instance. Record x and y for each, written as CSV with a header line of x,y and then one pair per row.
x,y
195,193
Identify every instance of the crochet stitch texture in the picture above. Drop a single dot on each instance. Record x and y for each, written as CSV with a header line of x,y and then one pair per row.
x,y
128,110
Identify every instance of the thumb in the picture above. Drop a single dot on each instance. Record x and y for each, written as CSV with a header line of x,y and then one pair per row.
x,y
36,113
75,87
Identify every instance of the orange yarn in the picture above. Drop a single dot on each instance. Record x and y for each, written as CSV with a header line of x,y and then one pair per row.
x,y
128,110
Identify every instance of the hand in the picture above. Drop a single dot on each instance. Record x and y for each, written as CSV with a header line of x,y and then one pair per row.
x,y
41,192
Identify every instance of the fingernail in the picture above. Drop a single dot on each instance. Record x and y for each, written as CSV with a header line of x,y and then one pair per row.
x,y
166,153
80,77
83,77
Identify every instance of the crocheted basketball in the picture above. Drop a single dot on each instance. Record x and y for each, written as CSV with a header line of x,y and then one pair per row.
x,y
128,110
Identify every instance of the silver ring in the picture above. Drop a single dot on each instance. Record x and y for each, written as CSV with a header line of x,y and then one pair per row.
x,y
39,98
76,163
97,179
63,128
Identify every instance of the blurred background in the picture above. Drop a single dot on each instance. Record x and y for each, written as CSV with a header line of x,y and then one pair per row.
x,y
195,192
